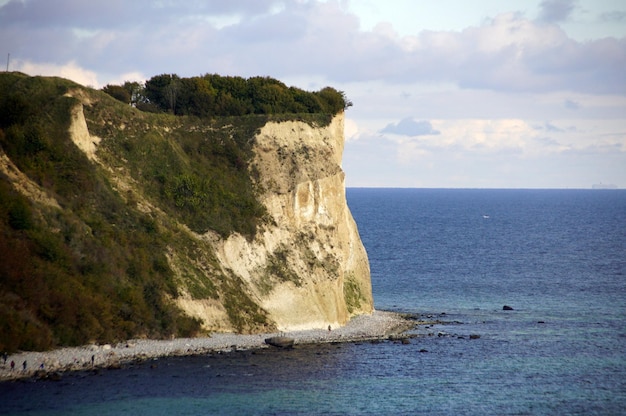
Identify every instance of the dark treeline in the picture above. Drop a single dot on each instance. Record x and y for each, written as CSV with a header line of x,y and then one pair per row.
x,y
216,95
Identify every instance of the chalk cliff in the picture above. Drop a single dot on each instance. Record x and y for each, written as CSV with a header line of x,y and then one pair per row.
x,y
151,225
308,267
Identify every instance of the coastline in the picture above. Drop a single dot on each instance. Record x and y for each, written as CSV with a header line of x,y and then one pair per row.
x,y
50,364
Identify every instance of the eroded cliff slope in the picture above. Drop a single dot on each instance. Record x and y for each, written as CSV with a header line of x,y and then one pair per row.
x,y
120,224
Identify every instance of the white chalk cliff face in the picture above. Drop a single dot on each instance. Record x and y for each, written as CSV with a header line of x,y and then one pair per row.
x,y
308,269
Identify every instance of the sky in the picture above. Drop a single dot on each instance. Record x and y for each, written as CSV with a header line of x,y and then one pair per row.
x,y
446,94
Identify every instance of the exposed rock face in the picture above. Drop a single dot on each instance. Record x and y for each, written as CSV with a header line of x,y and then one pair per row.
x,y
309,269
25,185
80,134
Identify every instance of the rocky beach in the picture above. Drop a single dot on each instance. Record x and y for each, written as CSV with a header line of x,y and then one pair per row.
x,y
50,364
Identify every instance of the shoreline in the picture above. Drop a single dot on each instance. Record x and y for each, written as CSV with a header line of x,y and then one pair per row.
x,y
51,364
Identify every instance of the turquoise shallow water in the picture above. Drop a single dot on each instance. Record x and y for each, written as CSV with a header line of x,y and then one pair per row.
x,y
557,257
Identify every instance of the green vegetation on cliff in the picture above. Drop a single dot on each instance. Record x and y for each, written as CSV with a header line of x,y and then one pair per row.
x,y
215,95
97,267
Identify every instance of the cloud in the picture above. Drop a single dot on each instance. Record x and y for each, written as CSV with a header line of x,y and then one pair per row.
x,y
129,76
508,53
571,104
549,127
350,129
517,55
614,16
69,70
552,11
410,127
109,14
490,153
486,152
493,138
485,135
547,141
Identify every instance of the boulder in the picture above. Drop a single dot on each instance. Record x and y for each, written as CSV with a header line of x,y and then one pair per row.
x,y
55,376
507,308
280,342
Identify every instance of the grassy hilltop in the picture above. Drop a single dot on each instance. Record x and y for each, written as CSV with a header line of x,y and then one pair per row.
x,y
84,245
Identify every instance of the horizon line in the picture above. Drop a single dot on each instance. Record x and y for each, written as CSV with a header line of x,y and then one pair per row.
x,y
488,188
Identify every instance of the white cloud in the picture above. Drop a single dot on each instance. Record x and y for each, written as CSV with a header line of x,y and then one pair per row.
x,y
350,129
506,53
410,127
556,10
526,140
70,70
468,137
129,76
494,153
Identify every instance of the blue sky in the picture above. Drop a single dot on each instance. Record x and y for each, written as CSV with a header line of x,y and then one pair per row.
x,y
452,93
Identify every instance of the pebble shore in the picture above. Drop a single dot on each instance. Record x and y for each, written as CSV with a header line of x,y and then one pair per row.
x,y
378,325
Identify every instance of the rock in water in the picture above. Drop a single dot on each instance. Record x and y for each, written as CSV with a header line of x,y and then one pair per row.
x,y
507,308
280,342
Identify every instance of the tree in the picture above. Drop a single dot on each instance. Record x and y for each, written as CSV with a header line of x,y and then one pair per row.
x,y
131,92
158,93
136,91
196,97
268,95
118,92
333,101
215,95
236,86
305,102
171,94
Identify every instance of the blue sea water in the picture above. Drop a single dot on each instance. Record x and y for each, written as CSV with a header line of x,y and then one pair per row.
x,y
558,257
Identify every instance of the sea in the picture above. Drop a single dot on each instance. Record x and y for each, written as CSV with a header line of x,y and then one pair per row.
x,y
455,258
